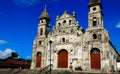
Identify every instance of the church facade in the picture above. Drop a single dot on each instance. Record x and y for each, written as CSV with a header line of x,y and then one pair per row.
x,y
69,46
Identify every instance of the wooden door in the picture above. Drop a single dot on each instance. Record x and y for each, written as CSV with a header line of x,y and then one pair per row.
x,y
95,61
63,59
38,61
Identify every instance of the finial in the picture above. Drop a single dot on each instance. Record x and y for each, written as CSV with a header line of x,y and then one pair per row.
x,y
44,14
65,11
74,14
45,7
57,16
77,22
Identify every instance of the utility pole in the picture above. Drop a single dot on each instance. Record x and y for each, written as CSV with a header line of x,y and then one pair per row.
x,y
50,42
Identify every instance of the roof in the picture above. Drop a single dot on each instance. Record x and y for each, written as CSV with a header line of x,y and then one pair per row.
x,y
44,15
113,46
95,2
65,15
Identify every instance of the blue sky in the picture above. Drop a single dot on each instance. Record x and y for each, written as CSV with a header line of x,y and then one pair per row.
x,y
19,21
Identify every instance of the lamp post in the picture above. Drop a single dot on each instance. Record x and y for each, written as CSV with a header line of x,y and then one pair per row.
x,y
50,42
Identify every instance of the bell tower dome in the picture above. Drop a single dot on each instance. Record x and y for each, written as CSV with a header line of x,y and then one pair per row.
x,y
94,3
44,27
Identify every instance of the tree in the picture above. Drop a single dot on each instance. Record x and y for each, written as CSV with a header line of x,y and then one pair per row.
x,y
14,55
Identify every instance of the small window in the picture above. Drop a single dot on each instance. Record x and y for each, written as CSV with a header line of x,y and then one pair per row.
x,y
42,21
94,36
63,39
69,22
64,22
94,8
58,24
40,42
41,31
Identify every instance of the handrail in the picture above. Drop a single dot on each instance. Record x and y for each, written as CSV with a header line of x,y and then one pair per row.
x,y
18,71
44,68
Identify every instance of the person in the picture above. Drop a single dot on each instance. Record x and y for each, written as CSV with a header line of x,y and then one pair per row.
x,y
71,67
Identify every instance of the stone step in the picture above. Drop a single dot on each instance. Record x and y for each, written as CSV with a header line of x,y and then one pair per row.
x,y
47,71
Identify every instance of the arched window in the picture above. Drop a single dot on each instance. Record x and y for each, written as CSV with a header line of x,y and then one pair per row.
x,y
95,51
59,24
63,39
94,36
39,54
41,31
64,22
95,21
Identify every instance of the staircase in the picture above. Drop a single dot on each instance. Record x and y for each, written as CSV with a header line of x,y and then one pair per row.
x,y
47,71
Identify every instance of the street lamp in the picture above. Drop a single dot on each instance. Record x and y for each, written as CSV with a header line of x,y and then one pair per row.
x,y
50,42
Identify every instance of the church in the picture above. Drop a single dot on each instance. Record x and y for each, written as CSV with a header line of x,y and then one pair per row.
x,y
69,46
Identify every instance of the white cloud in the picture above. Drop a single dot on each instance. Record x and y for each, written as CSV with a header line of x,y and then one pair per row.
x,y
6,53
118,25
28,57
53,0
26,3
3,42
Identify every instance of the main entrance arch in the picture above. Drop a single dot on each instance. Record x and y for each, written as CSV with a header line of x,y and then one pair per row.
x,y
95,59
62,59
38,59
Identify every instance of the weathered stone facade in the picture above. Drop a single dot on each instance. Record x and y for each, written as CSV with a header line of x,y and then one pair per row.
x,y
72,47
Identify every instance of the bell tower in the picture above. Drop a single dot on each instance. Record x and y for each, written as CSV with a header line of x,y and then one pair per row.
x,y
96,36
39,45
95,18
43,27
96,29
